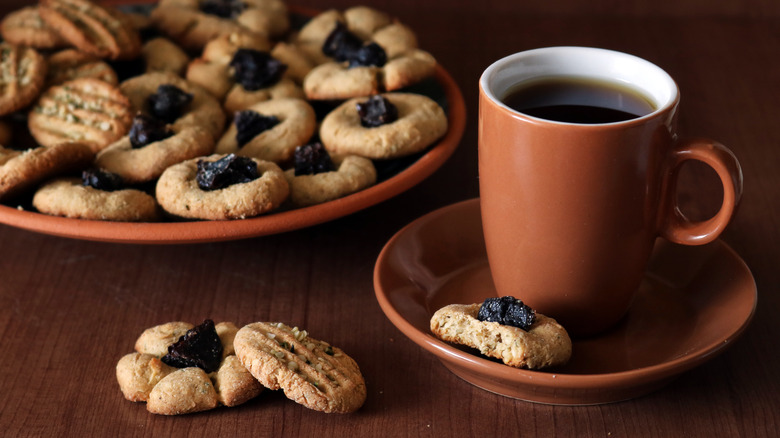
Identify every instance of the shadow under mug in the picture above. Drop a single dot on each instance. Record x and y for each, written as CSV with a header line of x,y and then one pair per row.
x,y
571,211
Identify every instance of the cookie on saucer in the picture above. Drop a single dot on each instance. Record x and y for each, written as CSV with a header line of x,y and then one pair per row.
x,y
70,64
163,55
24,73
22,170
25,27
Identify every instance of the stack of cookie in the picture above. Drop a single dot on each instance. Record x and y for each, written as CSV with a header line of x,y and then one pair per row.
x,y
178,368
204,109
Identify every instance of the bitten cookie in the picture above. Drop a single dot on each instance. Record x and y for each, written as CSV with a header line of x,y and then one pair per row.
x,y
316,178
25,27
270,130
545,344
193,23
23,75
70,197
310,372
185,192
86,109
94,29
21,170
180,369
420,122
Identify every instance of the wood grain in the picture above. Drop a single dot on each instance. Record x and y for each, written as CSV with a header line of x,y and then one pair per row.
x,y
70,309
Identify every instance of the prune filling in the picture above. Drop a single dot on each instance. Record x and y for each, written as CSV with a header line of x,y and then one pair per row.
x,y
249,124
372,54
101,180
199,347
228,170
223,8
376,111
168,103
507,311
254,69
341,44
146,129
312,159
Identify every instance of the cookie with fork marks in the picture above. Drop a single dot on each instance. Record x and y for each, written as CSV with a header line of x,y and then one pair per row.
x,y
22,74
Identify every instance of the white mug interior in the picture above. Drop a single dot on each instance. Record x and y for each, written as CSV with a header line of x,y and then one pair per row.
x,y
580,62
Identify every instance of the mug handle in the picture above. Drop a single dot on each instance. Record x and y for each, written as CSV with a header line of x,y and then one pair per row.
x,y
676,227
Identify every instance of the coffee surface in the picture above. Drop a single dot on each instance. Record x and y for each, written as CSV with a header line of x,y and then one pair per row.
x,y
578,100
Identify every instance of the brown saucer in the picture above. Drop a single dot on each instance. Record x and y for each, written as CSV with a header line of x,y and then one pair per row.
x,y
692,304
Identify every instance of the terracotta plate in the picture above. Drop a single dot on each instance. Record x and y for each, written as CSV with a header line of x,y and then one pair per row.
x,y
395,177
693,303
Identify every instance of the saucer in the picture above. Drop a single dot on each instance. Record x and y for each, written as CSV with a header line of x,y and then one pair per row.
x,y
694,301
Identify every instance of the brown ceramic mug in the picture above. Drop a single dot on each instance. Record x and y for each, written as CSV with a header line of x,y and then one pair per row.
x,y
570,209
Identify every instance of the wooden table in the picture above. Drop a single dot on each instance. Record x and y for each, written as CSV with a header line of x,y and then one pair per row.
x,y
70,309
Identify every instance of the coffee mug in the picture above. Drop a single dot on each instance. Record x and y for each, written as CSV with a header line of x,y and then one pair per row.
x,y
575,187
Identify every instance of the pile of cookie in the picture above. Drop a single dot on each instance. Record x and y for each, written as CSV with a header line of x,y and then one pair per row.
x,y
178,368
204,109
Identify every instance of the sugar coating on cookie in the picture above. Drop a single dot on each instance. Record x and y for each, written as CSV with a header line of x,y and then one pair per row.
x,y
22,170
69,197
310,372
297,124
421,121
23,76
179,194
545,344
87,110
352,174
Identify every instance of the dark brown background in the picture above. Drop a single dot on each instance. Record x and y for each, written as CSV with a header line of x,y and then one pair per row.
x,y
70,309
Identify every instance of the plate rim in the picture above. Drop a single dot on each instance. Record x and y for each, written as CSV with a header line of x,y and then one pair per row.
x,y
633,378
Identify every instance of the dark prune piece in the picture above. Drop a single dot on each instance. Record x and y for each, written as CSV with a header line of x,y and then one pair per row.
x,y
341,44
371,54
101,180
147,130
168,103
199,347
228,170
376,111
249,124
254,69
223,8
507,311
312,159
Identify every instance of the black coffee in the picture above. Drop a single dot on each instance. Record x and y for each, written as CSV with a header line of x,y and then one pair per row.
x,y
578,100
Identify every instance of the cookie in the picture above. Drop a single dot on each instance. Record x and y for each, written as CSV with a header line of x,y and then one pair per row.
x,y
296,125
23,75
163,55
94,29
241,71
22,170
169,390
351,174
179,194
310,372
70,64
69,197
146,163
202,111
193,23
545,344
421,121
25,27
365,23
87,110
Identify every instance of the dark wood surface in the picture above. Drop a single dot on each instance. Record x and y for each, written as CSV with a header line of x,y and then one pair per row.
x,y
70,309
